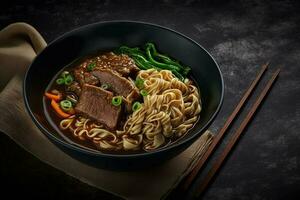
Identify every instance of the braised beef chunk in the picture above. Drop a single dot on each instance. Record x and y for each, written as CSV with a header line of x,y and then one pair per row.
x,y
122,64
95,103
119,85
85,77
90,79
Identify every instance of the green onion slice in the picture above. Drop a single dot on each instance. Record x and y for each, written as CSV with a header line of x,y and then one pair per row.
x,y
105,86
69,79
65,78
91,66
143,93
116,101
136,106
139,83
60,81
66,105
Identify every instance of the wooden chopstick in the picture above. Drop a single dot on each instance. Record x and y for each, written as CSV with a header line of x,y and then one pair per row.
x,y
187,182
217,164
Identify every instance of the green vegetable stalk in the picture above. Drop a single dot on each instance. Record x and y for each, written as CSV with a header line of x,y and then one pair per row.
x,y
165,59
150,58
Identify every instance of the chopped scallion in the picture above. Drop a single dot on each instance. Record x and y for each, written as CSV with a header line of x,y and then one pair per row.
x,y
68,79
116,101
65,78
60,81
139,83
136,106
66,105
91,66
143,93
105,86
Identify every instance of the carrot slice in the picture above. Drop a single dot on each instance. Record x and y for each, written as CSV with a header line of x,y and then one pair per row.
x,y
58,110
53,96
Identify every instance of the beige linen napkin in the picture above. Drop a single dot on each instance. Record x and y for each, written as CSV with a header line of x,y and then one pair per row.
x,y
19,44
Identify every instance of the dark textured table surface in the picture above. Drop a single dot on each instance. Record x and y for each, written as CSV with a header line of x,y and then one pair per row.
x,y
241,35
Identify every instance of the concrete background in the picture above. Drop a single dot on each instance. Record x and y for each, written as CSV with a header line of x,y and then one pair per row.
x,y
241,35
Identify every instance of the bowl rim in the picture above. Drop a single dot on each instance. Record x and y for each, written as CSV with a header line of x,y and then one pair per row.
x,y
99,153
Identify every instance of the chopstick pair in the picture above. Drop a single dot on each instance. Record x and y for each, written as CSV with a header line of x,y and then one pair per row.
x,y
217,164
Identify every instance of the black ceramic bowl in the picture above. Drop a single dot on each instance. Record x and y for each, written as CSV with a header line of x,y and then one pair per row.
x,y
107,36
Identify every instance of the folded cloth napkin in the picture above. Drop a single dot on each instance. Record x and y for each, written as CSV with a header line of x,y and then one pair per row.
x,y
19,44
